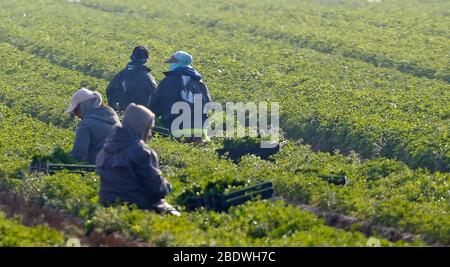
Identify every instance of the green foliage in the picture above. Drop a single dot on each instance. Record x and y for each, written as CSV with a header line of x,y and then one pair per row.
x,y
13,234
212,189
58,155
331,94
252,224
242,143
351,91
22,137
76,194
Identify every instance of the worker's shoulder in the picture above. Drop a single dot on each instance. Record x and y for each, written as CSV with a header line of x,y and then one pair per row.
x,y
83,124
170,80
143,150
118,75
133,68
171,75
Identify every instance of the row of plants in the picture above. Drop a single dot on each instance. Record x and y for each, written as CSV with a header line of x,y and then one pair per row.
x,y
78,194
260,223
23,138
333,102
406,35
395,136
247,225
382,191
14,234
39,89
186,170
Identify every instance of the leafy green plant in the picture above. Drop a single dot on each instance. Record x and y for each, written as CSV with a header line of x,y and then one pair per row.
x,y
212,190
13,234
58,155
235,148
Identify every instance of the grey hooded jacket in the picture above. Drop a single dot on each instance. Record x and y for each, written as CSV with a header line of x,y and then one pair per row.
x,y
128,169
96,124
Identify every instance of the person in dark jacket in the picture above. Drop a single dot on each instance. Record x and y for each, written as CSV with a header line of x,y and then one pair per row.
x,y
128,169
97,122
133,84
181,83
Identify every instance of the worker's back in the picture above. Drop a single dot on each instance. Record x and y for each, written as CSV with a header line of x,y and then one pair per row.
x,y
134,84
129,172
178,86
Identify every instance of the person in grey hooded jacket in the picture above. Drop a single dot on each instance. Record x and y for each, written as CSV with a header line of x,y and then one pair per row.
x,y
128,169
97,122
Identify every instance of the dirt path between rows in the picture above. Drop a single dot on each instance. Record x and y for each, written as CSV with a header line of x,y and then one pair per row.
x,y
33,215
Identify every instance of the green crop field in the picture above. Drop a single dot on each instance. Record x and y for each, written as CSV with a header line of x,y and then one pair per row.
x,y
363,88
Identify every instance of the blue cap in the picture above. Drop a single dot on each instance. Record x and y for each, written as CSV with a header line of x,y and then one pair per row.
x,y
180,57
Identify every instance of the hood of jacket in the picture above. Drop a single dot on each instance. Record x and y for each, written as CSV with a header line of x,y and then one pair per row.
x,y
188,71
138,120
104,114
119,139
89,105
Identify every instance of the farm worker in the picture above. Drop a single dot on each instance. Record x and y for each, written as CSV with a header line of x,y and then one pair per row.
x,y
97,121
181,83
128,169
133,84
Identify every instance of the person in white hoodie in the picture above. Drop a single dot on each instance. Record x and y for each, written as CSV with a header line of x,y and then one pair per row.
x,y
97,122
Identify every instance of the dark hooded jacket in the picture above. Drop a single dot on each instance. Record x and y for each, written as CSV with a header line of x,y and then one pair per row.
x,y
133,84
96,124
169,91
129,169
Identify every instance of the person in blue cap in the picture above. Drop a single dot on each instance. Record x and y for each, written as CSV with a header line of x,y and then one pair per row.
x,y
133,84
181,83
